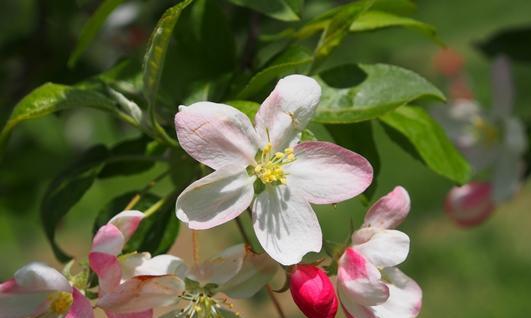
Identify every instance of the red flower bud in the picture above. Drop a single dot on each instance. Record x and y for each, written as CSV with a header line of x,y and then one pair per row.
x,y
313,292
470,204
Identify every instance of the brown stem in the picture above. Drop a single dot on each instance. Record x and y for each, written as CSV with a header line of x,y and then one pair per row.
x,y
195,247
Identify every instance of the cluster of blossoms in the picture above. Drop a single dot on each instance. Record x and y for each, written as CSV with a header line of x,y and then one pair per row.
x,y
267,168
369,284
133,285
493,143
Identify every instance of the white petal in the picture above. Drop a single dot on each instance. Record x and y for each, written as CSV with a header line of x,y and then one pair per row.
x,y
287,110
143,293
216,134
256,272
39,277
140,264
221,268
215,199
385,248
15,302
405,296
389,211
326,173
285,224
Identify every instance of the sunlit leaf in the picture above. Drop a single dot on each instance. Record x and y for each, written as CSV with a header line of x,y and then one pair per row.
x,y
385,88
428,141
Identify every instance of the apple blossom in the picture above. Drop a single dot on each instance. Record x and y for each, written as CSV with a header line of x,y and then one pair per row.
x,y
368,282
266,167
37,289
470,204
313,292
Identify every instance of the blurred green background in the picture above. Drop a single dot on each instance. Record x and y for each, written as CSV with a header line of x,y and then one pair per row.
x,y
481,272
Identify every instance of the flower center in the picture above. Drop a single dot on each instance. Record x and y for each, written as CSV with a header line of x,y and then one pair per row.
x,y
269,168
60,302
202,305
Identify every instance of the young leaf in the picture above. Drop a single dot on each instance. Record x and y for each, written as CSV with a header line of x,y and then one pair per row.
x,y
50,98
157,48
385,88
66,190
293,60
428,141
284,10
338,28
374,20
91,28
156,234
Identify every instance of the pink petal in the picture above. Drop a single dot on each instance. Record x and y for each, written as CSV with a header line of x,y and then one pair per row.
x,y
127,222
389,211
313,292
470,204
285,224
220,268
287,110
216,135
107,268
81,306
17,303
359,282
327,173
215,199
405,296
109,239
142,293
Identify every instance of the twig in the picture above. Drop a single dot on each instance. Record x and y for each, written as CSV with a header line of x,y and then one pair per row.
x,y
275,301
195,247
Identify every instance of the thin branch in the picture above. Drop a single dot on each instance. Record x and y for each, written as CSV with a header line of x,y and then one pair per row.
x,y
275,302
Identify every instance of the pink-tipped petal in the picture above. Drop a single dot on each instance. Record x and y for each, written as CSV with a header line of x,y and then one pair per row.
x,y
109,239
313,292
81,306
285,224
220,268
16,303
127,222
287,110
385,248
470,204
326,173
216,135
142,293
389,211
359,282
257,270
107,268
405,296
215,199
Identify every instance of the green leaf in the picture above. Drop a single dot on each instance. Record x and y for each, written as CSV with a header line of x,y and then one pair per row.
x,y
50,98
338,28
293,60
156,234
91,28
66,190
385,88
131,157
429,141
374,20
284,10
157,48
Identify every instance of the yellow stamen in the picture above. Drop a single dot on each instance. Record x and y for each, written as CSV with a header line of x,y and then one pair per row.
x,y
60,302
270,167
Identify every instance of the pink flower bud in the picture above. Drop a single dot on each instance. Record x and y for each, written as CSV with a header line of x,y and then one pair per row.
x,y
470,204
313,292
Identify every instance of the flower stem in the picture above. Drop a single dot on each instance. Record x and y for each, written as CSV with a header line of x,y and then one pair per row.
x,y
195,247
275,301
148,187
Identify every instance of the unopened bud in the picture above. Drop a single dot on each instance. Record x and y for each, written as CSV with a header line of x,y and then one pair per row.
x,y
313,292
